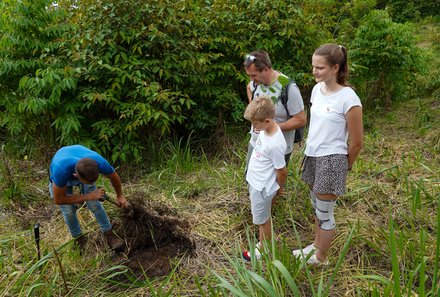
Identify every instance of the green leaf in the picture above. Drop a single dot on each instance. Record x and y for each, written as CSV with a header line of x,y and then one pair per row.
x,y
283,80
286,275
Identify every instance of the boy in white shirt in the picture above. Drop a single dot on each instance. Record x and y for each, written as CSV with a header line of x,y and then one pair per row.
x,y
267,167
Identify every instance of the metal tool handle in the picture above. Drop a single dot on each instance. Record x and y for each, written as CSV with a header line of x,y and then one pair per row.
x,y
37,238
111,200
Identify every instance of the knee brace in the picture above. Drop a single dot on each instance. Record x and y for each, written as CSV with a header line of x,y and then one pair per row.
x,y
325,213
313,199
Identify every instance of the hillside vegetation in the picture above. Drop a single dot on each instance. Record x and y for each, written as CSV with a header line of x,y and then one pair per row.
x,y
387,239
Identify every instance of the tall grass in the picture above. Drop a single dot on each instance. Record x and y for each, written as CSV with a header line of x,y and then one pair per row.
x,y
12,183
409,275
25,275
276,273
435,291
29,277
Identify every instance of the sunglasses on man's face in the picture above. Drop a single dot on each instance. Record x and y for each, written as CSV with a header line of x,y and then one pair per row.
x,y
249,59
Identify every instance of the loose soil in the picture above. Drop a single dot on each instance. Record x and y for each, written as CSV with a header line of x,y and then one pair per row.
x,y
154,236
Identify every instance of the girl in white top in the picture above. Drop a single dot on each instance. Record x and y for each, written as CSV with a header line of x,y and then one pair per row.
x,y
336,115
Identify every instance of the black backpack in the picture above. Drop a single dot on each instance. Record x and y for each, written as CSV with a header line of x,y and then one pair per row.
x,y
284,97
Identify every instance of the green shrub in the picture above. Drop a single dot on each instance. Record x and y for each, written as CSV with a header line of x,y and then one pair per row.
x,y
119,75
410,10
33,71
429,81
135,61
349,17
385,59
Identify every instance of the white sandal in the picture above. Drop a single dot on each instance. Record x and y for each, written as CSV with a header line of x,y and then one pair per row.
x,y
313,260
306,251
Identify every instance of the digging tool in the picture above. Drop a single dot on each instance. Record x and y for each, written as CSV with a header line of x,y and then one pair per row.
x,y
109,199
113,201
37,238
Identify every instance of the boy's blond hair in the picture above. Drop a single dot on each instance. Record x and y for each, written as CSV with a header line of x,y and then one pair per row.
x,y
260,109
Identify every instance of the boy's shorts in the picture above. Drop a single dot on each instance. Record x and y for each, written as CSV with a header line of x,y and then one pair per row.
x,y
261,205
326,174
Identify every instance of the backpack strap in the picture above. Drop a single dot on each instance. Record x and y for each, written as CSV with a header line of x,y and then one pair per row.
x,y
255,88
284,96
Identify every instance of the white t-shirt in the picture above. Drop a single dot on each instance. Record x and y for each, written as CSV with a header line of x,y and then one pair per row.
x,y
295,105
328,131
268,155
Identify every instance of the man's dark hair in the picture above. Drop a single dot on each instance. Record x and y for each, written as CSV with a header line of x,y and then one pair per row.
x,y
259,58
87,169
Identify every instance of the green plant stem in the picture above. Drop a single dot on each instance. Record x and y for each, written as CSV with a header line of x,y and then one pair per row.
x,y
62,271
394,258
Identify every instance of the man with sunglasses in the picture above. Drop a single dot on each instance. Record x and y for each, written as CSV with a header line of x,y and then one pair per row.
x,y
78,166
266,81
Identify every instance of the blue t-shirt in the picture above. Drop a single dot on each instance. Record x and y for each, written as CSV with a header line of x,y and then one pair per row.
x,y
63,163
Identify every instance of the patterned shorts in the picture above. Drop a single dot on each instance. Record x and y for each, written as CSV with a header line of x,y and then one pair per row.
x,y
326,174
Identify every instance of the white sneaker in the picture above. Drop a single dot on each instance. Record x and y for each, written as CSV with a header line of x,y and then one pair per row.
x,y
306,251
247,254
313,260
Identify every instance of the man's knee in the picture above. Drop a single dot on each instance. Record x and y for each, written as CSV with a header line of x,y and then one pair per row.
x,y
94,205
325,213
68,211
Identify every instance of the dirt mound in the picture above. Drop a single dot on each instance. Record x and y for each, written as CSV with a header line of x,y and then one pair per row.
x,y
154,236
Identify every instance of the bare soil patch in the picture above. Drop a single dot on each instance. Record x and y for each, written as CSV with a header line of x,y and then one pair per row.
x,y
155,236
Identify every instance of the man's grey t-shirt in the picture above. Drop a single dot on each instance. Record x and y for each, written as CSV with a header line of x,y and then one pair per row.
x,y
295,105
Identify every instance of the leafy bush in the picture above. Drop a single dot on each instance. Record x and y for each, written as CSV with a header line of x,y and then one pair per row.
x,y
119,76
32,69
108,82
135,63
429,81
349,17
385,58
412,10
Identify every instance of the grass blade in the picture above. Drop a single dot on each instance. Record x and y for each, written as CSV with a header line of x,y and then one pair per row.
x,y
225,284
394,259
263,284
340,260
437,252
289,279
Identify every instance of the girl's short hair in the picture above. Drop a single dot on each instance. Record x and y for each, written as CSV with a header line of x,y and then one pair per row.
x,y
335,54
260,109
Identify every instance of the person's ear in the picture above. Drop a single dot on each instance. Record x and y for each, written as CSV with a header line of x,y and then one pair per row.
x,y
335,68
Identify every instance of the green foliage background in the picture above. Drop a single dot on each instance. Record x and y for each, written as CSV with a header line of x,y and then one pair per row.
x,y
120,76
410,10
